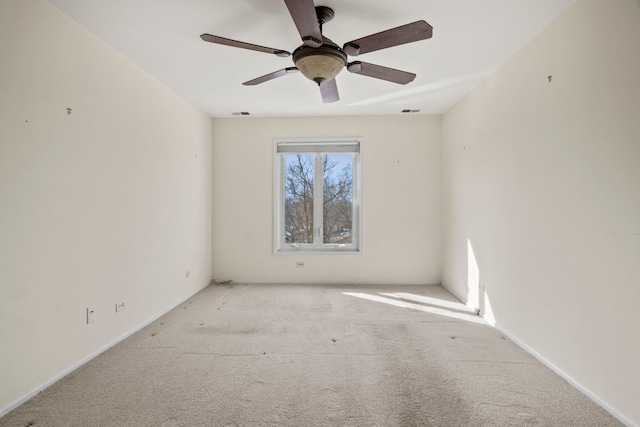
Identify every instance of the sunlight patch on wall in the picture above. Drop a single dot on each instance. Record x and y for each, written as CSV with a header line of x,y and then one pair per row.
x,y
487,311
473,279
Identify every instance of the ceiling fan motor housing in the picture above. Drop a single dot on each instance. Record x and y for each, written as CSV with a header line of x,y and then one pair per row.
x,y
322,63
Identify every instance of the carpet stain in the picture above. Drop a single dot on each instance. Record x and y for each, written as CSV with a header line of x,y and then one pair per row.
x,y
226,283
334,340
153,335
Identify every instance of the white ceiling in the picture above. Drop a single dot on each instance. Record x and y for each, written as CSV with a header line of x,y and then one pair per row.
x,y
470,39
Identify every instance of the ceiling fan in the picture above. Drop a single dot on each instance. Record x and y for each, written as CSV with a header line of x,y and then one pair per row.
x,y
321,60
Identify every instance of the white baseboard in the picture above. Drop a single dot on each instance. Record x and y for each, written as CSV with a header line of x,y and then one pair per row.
x,y
570,380
320,283
458,297
56,378
555,369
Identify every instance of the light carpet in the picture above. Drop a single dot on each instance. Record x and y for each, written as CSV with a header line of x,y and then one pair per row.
x,y
314,355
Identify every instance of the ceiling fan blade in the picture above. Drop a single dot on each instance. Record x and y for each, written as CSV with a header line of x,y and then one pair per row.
x,y
419,30
304,16
380,72
271,76
329,91
243,45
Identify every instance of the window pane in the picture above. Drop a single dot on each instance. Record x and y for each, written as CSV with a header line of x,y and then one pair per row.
x,y
337,173
298,198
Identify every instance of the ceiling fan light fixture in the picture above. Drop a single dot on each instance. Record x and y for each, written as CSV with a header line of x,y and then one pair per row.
x,y
320,64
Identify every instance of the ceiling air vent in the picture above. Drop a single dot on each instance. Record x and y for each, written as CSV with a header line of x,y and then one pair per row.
x,y
410,111
240,113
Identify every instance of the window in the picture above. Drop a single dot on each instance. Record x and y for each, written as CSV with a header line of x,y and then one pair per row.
x,y
317,195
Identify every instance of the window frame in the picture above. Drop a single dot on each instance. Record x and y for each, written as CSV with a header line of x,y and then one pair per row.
x,y
280,247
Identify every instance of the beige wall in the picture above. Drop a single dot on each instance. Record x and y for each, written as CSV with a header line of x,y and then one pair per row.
x,y
401,201
111,203
542,181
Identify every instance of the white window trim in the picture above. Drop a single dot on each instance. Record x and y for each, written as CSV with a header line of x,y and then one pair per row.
x,y
279,247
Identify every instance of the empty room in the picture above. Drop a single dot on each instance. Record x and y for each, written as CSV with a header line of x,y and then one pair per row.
x,y
319,213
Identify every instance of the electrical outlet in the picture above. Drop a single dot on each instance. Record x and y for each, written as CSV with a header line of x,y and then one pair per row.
x,y
91,314
299,263
188,273
119,307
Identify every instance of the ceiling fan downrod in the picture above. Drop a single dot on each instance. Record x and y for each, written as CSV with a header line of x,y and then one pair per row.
x,y
324,14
